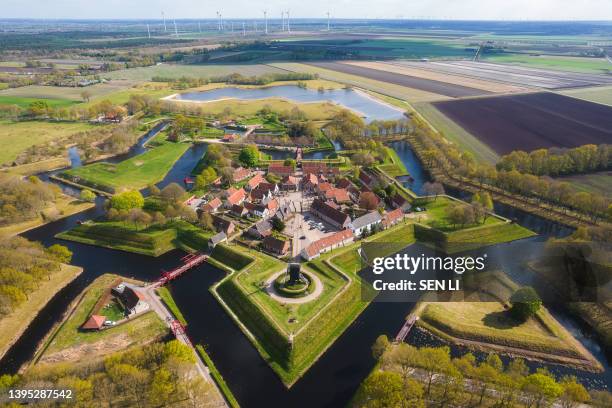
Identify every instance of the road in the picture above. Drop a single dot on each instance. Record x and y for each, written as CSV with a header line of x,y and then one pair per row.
x,y
158,307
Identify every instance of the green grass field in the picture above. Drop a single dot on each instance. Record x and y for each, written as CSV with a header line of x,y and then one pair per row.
x,y
456,133
25,102
65,93
435,216
132,174
193,71
70,341
573,64
598,94
15,137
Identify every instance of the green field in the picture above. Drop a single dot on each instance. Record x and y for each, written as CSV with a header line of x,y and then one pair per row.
x,y
132,174
592,183
70,341
573,64
192,71
25,102
456,133
598,94
152,241
15,137
393,167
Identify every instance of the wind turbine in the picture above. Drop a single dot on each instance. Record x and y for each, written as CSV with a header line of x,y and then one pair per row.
x,y
243,29
164,18
328,29
175,29
265,13
288,26
199,27
282,20
218,21
148,31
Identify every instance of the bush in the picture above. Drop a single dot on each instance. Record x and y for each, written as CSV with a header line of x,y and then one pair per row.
x,y
87,195
525,303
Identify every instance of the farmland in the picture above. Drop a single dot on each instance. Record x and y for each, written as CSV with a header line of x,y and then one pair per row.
x,y
521,76
25,102
563,63
15,137
422,84
384,88
531,121
593,183
599,94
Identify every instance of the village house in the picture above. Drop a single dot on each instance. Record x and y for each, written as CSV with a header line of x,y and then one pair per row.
x,y
237,197
280,170
223,225
330,214
328,243
365,223
229,137
338,195
212,206
261,229
240,174
290,183
254,182
217,239
366,179
239,210
275,245
320,169
260,195
310,182
323,188
95,322
397,201
392,217
133,301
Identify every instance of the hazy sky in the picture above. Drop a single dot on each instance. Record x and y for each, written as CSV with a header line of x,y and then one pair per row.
x,y
453,9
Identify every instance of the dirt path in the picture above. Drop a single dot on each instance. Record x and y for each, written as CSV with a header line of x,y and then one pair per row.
x,y
276,296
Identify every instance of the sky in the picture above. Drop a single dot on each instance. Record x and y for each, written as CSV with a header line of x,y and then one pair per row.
x,y
436,9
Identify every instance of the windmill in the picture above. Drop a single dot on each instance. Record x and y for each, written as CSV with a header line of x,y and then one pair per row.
x,y
265,13
164,18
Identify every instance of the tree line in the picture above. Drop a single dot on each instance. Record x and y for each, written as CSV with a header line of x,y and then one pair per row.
x,y
24,199
23,266
557,162
155,375
407,376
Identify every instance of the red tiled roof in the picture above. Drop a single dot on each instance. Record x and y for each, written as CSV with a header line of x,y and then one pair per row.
x,y
276,245
237,197
392,216
291,180
212,205
320,245
325,187
311,178
94,322
339,195
280,169
254,182
240,174
329,211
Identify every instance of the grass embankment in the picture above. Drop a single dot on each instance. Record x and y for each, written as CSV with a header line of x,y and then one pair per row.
x,y
168,300
488,324
14,324
318,322
456,133
29,169
152,241
63,207
69,343
131,174
393,167
15,137
216,375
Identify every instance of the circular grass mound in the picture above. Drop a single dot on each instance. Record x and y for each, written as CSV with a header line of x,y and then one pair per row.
x,y
295,290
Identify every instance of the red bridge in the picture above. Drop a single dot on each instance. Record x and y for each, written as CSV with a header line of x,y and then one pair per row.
x,y
179,332
189,261
401,336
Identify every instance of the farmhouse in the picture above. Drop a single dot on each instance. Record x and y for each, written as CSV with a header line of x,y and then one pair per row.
x,y
223,225
275,245
261,229
132,300
330,214
328,243
365,222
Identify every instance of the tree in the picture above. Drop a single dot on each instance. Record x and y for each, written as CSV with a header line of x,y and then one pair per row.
x,y
60,253
86,95
278,224
574,393
368,200
541,387
127,200
486,374
525,303
249,156
379,346
290,162
87,195
173,192
206,221
431,360
433,189
382,389
179,351
162,387
494,361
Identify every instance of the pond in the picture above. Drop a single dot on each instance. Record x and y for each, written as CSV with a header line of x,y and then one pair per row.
x,y
358,101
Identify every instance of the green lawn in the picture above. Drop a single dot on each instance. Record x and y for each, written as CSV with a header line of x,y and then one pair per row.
x,y
69,337
166,297
193,71
435,216
25,102
394,166
456,133
132,174
15,137
562,63
65,93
